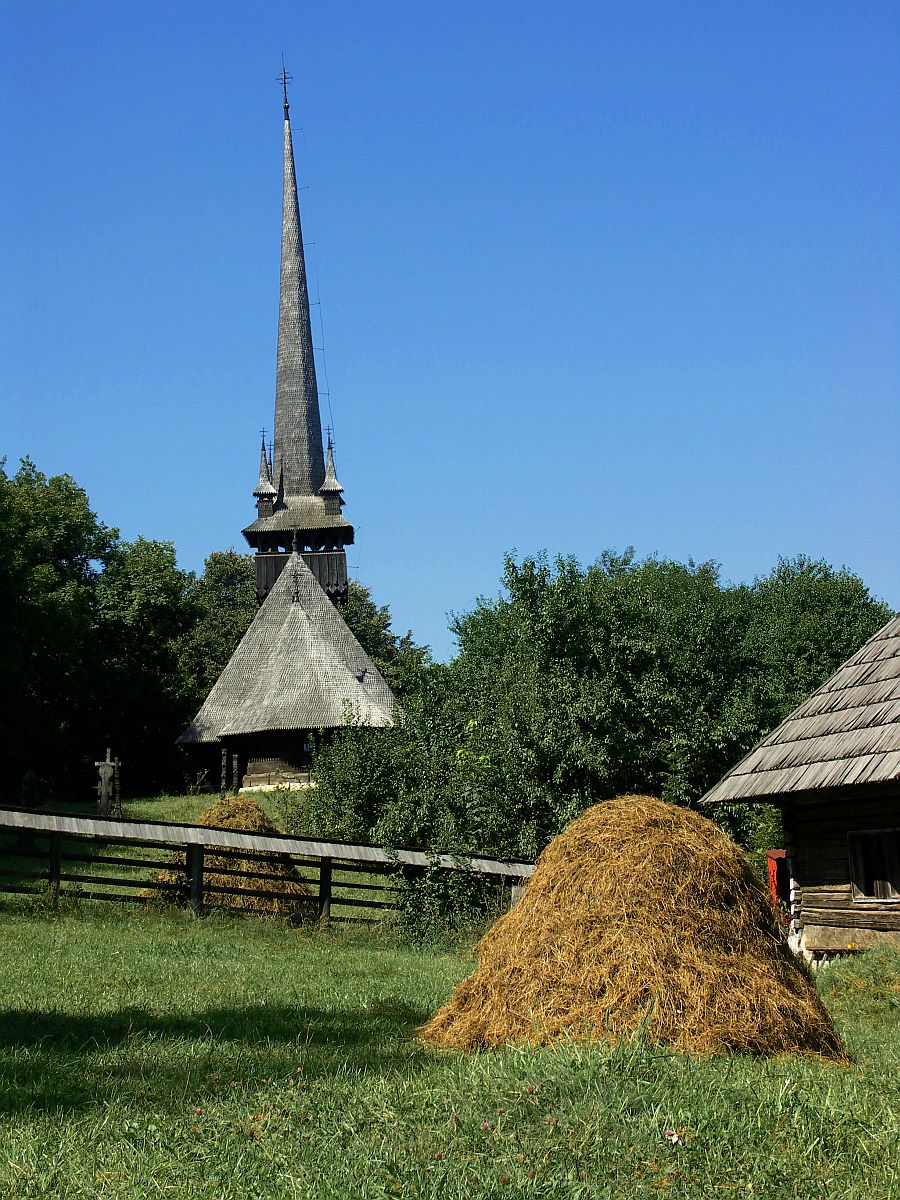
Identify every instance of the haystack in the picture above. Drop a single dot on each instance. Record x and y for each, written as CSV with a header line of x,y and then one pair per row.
x,y
241,813
640,917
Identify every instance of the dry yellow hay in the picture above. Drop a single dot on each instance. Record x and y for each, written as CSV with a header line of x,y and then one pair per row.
x,y
241,813
639,916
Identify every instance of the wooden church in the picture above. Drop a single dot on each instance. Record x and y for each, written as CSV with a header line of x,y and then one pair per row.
x,y
298,672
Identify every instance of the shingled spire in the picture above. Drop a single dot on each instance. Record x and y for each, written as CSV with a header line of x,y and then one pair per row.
x,y
298,426
305,506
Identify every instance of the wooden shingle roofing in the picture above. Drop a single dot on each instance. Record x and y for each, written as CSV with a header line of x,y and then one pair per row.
x,y
302,512
847,732
297,667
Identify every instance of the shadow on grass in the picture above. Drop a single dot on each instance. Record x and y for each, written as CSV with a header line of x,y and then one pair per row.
x,y
50,1060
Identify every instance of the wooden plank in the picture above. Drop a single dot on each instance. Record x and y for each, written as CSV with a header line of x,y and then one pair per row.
x,y
42,853
115,897
812,898
165,864
55,863
348,902
372,887
847,919
324,889
108,881
340,901
260,893
823,937
338,866
237,873
165,834
822,877
194,868
369,868
834,826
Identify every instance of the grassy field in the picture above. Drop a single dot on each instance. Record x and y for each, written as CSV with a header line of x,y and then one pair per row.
x,y
149,1054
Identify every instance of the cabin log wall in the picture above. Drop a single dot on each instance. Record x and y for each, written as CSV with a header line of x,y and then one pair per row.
x,y
829,917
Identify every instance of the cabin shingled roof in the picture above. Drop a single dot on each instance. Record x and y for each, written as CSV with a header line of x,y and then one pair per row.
x,y
297,667
847,732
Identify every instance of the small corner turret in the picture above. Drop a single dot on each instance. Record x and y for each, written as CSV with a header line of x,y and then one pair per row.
x,y
265,491
331,489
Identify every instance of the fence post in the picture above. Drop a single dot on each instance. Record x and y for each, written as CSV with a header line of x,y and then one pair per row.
x,y
195,878
55,863
325,889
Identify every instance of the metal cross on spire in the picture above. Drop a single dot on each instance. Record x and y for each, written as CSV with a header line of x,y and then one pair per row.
x,y
284,79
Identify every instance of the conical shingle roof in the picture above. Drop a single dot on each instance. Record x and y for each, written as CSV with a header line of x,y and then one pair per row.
x,y
846,733
331,483
297,667
298,426
265,486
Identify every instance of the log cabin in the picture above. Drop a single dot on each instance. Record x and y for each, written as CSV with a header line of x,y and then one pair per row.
x,y
833,768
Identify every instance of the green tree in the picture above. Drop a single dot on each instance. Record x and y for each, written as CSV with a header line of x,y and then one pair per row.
x,y
396,656
806,619
52,550
225,603
145,606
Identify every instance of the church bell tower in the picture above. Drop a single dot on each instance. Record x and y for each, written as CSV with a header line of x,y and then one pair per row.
x,y
298,497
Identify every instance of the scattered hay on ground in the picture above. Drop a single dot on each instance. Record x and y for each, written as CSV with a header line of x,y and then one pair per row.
x,y
291,898
641,917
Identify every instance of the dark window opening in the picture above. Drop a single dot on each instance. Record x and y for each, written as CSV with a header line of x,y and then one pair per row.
x,y
875,864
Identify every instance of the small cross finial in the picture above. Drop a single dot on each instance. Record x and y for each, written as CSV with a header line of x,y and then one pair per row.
x,y
284,79
330,434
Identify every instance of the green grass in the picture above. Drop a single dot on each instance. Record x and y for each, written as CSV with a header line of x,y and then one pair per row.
x,y
187,809
147,1054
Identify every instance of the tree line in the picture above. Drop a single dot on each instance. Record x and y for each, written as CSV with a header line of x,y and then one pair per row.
x,y
575,684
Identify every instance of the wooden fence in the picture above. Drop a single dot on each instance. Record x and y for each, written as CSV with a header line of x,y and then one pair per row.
x,y
42,852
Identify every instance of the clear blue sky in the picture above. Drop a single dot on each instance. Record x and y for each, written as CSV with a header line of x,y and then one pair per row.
x,y
591,275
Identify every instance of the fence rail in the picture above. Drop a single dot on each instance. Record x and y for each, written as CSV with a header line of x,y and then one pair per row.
x,y
322,867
